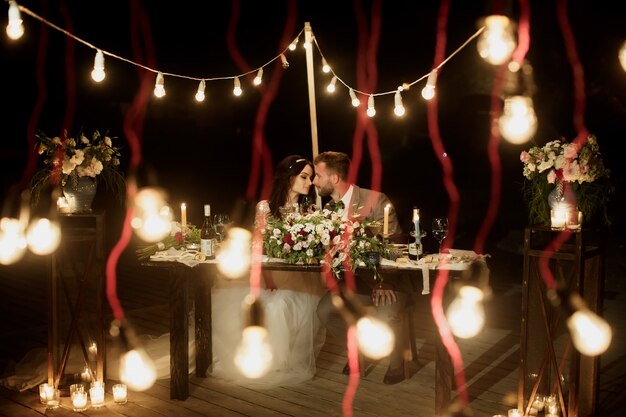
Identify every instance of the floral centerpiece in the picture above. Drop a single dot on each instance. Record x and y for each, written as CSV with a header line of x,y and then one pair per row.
x,y
68,159
307,238
175,240
560,166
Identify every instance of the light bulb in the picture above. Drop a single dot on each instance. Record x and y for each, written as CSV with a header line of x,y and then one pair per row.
x,y
591,334
237,87
331,86
428,92
98,67
43,236
466,315
284,61
496,43
15,27
398,108
325,66
200,96
137,370
12,240
622,56
259,77
159,86
354,99
518,122
292,45
254,354
234,254
375,338
371,110
153,216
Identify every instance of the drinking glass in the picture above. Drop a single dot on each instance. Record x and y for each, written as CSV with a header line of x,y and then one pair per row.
x,y
220,223
440,229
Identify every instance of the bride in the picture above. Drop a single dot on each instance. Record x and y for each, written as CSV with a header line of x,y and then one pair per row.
x,y
289,298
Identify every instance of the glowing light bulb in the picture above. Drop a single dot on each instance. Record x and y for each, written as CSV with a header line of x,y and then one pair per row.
x,y
259,77
398,108
466,315
591,334
15,27
237,87
375,338
254,355
354,99
234,255
153,216
518,123
331,86
622,56
159,86
137,370
43,236
371,110
428,92
496,43
292,45
200,96
325,66
12,240
97,74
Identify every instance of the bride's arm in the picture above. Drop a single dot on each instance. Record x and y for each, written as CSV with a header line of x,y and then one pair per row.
x,y
269,281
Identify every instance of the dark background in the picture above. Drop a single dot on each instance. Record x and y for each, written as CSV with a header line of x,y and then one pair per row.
x,y
202,152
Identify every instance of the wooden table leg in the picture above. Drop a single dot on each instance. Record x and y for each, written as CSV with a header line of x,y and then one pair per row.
x,y
204,342
179,335
443,378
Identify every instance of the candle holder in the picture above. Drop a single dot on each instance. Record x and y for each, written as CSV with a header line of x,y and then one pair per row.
x,y
52,398
45,391
79,400
120,393
96,393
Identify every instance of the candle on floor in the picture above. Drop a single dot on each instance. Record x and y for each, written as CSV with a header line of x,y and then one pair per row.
x,y
386,221
45,391
53,398
96,392
120,393
79,400
514,412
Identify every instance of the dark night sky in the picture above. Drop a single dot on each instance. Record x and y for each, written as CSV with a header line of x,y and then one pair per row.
x,y
202,152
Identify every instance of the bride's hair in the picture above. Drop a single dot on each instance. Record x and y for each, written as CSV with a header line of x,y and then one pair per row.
x,y
288,168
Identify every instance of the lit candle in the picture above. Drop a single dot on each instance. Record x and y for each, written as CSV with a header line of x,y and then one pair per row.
x,y
418,234
45,392
183,216
52,397
96,392
79,400
120,393
558,217
386,221
514,412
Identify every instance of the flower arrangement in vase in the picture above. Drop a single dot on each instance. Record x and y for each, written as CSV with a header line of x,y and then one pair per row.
x,y
78,165
566,171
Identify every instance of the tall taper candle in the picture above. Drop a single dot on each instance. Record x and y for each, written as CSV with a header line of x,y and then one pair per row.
x,y
183,217
386,221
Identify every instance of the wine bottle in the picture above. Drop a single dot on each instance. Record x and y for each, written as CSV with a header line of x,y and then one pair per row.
x,y
415,239
208,237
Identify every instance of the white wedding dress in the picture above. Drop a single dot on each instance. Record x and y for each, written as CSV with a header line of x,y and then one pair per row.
x,y
294,331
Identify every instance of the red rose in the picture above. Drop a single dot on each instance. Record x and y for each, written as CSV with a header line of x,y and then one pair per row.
x,y
287,239
179,237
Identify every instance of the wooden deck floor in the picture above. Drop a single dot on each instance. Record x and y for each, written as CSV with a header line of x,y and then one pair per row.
x,y
491,359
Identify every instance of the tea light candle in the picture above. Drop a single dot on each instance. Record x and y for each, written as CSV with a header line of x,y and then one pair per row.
x,y
558,217
96,392
514,412
79,400
183,217
45,391
120,393
52,397
538,403
386,221
77,387
552,409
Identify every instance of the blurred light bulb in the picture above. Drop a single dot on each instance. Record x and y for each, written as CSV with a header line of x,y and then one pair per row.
x,y
159,86
292,45
259,77
15,27
234,255
496,43
12,240
283,60
43,236
331,86
254,355
518,123
398,108
371,110
200,96
137,370
622,56
325,66
237,87
97,74
375,338
466,315
354,99
591,334
428,92
153,216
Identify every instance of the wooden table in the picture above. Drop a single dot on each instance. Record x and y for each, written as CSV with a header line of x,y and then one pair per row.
x,y
184,279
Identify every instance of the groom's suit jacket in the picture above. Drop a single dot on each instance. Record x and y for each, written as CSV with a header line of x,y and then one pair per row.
x,y
371,204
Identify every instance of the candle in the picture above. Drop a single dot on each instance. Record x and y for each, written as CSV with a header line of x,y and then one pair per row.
x,y
514,412
96,392
45,391
79,400
418,234
558,217
539,402
183,217
52,397
120,393
386,221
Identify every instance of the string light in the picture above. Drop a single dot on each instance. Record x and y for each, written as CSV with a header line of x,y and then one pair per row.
x,y
98,67
43,236
200,96
12,240
15,27
292,45
466,315
259,77
233,257
591,334
283,60
237,87
331,85
371,110
398,109
253,357
518,123
137,369
496,44
325,66
622,56
159,86
152,219
354,99
428,92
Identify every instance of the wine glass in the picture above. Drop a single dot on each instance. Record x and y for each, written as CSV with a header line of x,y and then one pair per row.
x,y
440,229
220,222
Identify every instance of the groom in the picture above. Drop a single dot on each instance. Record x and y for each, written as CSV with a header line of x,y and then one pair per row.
x,y
331,173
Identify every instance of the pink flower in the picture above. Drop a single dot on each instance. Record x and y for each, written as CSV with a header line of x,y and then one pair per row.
x,y
551,176
524,156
